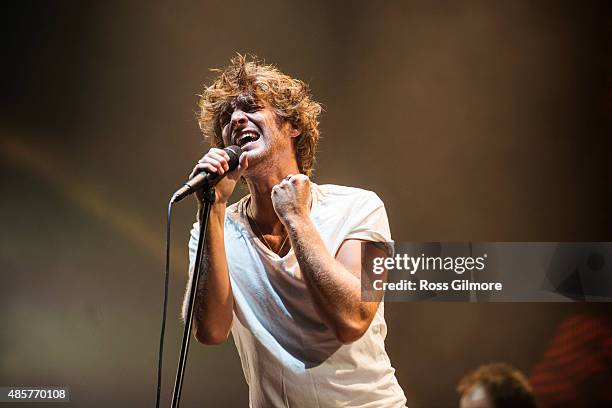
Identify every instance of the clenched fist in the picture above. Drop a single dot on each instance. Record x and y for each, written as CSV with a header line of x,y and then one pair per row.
x,y
291,198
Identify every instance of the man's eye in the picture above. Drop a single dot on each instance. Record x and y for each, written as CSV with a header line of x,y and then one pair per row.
x,y
252,108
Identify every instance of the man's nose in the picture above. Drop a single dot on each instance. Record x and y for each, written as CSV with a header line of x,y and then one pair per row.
x,y
238,118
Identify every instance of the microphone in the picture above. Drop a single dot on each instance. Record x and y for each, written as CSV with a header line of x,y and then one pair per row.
x,y
205,179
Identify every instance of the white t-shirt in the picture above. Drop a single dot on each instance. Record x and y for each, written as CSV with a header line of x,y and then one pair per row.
x,y
290,358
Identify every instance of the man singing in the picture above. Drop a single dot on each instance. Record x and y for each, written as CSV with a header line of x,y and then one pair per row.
x,y
281,267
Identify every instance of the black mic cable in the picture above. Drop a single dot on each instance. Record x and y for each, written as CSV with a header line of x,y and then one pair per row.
x,y
165,306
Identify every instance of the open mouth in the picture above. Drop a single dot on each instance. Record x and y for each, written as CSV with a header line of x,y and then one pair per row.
x,y
246,138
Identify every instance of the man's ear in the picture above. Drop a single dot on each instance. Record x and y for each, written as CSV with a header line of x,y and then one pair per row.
x,y
295,131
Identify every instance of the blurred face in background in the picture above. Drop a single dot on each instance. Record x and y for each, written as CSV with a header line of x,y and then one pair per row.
x,y
476,397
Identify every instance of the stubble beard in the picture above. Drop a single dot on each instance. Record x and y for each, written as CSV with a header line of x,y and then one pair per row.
x,y
266,161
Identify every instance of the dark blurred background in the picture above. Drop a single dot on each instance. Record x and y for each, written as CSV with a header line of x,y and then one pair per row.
x,y
472,120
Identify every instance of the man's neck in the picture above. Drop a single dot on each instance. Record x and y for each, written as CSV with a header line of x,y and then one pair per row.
x,y
260,205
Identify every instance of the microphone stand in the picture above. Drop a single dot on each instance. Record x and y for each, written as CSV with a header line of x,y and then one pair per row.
x,y
208,199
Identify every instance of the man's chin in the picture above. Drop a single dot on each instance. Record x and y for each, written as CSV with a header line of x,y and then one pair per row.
x,y
251,149
255,155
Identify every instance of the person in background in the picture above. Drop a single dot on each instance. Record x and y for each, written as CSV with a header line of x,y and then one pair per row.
x,y
576,368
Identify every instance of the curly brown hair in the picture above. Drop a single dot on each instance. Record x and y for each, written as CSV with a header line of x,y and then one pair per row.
x,y
290,98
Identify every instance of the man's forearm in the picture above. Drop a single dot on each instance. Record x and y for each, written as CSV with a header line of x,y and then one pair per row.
x,y
335,291
214,300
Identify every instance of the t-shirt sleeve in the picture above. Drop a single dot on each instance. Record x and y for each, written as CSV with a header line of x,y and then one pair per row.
x,y
369,222
193,246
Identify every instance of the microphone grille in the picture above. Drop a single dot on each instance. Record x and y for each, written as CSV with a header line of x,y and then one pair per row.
x,y
234,153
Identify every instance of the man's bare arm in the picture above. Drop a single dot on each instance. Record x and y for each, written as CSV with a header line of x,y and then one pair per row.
x,y
333,282
214,305
212,317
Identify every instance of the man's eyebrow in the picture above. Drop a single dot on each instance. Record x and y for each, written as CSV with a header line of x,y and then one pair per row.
x,y
245,100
